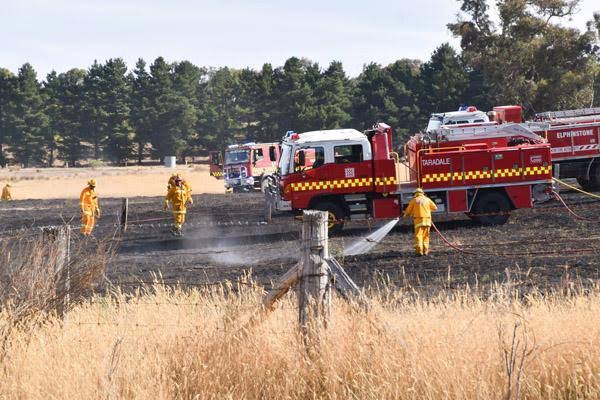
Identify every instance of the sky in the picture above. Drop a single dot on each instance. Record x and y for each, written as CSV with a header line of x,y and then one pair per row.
x,y
63,34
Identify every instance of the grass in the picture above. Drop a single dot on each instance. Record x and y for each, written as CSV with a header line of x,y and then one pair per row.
x,y
171,343
166,342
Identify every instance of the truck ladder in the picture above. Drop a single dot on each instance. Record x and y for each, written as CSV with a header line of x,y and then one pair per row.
x,y
525,130
581,112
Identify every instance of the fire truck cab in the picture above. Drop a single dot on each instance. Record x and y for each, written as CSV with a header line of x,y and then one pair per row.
x,y
248,166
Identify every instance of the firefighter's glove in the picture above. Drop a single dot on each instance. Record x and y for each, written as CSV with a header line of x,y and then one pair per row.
x,y
166,207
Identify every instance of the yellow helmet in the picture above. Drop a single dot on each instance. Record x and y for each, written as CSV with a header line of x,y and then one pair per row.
x,y
92,182
419,191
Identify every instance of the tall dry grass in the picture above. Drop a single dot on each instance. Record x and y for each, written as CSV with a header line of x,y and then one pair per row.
x,y
171,343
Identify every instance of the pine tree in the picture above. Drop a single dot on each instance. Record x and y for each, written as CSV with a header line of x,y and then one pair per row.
x,y
140,107
218,124
94,109
444,82
30,121
71,102
115,102
8,89
332,97
172,115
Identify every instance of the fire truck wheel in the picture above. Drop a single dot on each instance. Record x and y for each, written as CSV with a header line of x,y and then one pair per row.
x,y
585,183
594,182
336,221
492,208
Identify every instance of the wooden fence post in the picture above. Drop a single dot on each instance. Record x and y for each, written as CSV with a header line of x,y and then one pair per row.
x,y
60,238
124,214
268,205
314,298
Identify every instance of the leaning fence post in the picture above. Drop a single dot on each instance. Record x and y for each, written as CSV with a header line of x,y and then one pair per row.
x,y
314,292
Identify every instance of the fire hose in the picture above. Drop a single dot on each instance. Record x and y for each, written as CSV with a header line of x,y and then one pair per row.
x,y
465,251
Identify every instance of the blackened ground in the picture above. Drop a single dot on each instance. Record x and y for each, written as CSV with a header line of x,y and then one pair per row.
x,y
226,238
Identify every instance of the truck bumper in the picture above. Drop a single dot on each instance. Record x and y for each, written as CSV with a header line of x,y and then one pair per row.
x,y
240,184
277,203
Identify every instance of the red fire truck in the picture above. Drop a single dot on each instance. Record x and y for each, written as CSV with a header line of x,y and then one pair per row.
x,y
245,167
355,175
574,136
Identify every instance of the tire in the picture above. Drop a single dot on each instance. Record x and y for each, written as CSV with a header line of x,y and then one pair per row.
x,y
585,184
494,208
336,215
593,184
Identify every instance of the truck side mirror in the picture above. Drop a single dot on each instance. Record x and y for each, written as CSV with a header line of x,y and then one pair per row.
x,y
301,158
272,154
254,157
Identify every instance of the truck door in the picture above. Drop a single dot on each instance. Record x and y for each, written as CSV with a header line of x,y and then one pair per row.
x,y
216,164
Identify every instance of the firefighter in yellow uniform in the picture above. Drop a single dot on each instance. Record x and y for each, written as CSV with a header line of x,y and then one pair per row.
x,y
179,196
90,210
420,208
185,183
6,193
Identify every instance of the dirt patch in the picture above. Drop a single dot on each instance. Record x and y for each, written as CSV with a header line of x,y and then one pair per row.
x,y
67,183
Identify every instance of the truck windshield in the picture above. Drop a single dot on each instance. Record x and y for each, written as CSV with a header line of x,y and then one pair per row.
x,y
284,160
237,156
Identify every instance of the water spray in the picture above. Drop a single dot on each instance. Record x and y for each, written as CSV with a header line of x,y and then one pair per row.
x,y
366,244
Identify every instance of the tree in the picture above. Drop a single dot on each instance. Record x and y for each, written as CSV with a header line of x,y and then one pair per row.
x,y
30,122
95,113
294,96
51,90
187,79
444,82
388,95
218,122
115,92
526,58
172,115
332,98
140,107
8,87
68,94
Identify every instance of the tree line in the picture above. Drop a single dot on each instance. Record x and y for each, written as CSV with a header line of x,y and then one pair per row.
x,y
109,112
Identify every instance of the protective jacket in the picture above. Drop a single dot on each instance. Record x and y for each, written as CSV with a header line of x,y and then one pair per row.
x,y
6,194
185,184
420,208
179,197
88,201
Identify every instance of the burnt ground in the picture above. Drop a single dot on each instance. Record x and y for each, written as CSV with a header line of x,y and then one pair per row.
x,y
225,238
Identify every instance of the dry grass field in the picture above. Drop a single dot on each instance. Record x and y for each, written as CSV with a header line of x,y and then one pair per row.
x,y
174,344
67,183
518,320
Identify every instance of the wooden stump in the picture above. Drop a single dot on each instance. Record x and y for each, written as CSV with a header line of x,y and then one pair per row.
x,y
314,298
124,214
